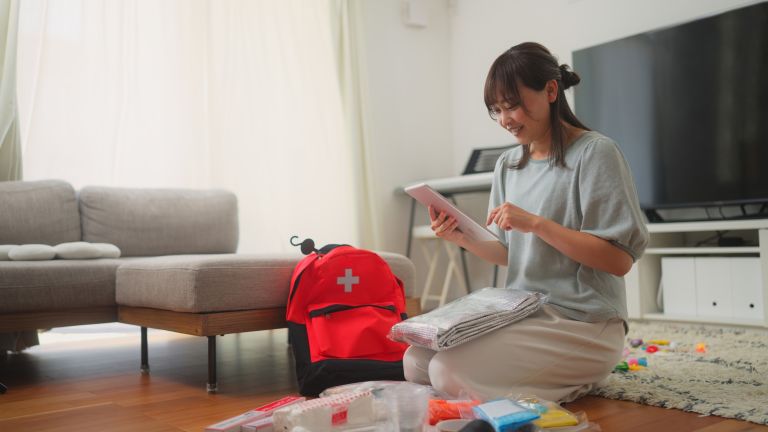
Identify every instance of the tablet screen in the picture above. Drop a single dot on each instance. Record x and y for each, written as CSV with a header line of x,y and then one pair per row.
x,y
426,195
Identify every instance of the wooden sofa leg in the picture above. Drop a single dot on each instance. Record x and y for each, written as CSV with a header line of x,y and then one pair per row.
x,y
144,352
212,386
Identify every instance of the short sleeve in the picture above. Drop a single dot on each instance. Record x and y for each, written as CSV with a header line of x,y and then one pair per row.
x,y
497,195
608,199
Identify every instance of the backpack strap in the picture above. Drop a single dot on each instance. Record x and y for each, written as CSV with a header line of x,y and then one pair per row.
x,y
300,267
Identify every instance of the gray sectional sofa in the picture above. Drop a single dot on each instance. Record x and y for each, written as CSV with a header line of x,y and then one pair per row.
x,y
178,271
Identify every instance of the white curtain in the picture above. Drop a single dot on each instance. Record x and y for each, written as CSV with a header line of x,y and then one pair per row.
x,y
242,95
113,93
350,60
10,144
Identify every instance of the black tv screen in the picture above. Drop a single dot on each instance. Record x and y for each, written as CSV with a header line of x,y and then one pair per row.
x,y
688,105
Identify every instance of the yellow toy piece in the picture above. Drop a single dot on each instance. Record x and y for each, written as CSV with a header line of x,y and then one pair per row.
x,y
556,417
658,342
551,415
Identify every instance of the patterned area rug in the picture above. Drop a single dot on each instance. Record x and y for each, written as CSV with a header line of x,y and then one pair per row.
x,y
729,379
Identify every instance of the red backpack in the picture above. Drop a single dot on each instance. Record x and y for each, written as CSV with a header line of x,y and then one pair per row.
x,y
342,303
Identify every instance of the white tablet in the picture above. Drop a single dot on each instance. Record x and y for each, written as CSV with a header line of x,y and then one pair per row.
x,y
426,195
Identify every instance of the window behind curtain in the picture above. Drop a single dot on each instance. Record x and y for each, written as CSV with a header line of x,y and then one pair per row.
x,y
241,95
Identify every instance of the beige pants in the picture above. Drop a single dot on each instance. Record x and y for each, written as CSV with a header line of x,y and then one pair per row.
x,y
545,355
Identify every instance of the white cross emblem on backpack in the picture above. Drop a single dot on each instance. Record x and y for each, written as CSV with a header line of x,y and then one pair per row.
x,y
348,280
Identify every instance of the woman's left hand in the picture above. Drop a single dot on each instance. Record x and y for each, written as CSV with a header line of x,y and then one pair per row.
x,y
511,217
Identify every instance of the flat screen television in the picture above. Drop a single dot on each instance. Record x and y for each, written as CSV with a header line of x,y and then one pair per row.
x,y
688,105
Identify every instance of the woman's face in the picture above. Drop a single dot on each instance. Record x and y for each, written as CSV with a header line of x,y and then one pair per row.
x,y
528,119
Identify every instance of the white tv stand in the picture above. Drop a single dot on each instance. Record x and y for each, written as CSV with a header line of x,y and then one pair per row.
x,y
680,239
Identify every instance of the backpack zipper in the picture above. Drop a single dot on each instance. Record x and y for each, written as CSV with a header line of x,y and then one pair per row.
x,y
340,307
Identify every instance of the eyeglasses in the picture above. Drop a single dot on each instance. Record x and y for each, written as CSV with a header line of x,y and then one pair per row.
x,y
496,111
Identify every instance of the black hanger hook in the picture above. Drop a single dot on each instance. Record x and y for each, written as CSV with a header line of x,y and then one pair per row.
x,y
307,246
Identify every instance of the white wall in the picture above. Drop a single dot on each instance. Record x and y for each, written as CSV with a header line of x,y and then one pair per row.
x,y
408,117
481,30
425,85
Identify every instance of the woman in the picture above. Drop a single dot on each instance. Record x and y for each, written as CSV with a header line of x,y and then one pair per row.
x,y
564,205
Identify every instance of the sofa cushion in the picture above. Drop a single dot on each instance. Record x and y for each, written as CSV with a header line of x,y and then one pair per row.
x,y
38,212
4,249
206,283
107,250
153,222
215,283
85,250
31,286
403,268
32,252
76,250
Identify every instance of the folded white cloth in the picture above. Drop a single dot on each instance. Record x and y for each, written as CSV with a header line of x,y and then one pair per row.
x,y
466,318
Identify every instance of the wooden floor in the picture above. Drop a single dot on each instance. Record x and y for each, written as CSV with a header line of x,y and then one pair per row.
x,y
94,385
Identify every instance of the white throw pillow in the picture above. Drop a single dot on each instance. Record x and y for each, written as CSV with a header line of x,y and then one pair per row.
x,y
32,252
77,250
107,250
4,249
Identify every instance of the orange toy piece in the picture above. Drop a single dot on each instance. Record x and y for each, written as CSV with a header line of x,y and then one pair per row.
x,y
701,347
441,409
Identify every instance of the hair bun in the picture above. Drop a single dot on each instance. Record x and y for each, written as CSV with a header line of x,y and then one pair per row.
x,y
567,77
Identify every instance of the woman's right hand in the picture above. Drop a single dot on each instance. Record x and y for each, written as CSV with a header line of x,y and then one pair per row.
x,y
444,226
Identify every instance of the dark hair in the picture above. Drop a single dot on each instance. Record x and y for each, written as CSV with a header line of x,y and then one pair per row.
x,y
533,65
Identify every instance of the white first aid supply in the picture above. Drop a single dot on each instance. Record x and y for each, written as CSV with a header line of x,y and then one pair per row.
x,y
408,404
320,415
260,425
467,318
233,424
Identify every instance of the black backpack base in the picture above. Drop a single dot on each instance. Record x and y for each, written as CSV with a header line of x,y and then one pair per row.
x,y
315,377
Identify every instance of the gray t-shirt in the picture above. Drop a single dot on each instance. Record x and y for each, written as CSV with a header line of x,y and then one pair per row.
x,y
595,194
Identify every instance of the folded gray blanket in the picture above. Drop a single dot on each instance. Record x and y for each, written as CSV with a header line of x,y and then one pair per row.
x,y
466,318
